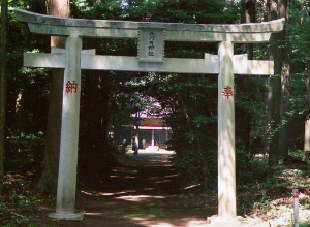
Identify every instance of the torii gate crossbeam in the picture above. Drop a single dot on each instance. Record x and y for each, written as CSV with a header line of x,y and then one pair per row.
x,y
151,38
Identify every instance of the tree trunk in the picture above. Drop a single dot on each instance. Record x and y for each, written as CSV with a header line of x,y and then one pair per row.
x,y
49,177
269,96
272,8
91,161
95,117
285,86
244,82
272,142
248,11
276,105
281,65
307,122
285,107
3,52
105,115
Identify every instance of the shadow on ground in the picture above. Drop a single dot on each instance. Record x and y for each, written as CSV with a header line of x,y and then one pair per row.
x,y
147,192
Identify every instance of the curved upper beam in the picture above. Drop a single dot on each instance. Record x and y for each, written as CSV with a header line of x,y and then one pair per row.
x,y
244,33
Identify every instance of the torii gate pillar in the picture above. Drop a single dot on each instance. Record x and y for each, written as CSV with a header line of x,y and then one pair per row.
x,y
227,204
69,142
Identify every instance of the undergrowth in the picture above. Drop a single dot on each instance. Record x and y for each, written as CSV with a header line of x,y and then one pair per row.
x,y
18,202
267,195
264,195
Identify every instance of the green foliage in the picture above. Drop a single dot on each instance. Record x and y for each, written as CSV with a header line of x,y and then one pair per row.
x,y
270,190
27,95
16,206
24,152
192,98
200,12
198,165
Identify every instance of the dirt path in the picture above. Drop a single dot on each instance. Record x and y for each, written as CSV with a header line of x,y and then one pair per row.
x,y
147,192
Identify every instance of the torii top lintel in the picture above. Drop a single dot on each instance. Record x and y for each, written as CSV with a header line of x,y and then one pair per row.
x,y
241,33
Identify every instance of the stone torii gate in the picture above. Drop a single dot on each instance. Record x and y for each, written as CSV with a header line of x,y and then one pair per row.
x,y
151,38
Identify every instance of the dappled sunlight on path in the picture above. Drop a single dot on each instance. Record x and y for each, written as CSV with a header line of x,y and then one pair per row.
x,y
149,192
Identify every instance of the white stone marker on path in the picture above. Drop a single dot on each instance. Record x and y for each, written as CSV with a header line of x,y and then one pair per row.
x,y
225,64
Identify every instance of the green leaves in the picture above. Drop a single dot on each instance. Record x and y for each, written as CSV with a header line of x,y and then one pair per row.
x,y
201,121
198,12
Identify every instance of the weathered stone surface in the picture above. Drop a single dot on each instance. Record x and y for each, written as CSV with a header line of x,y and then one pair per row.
x,y
69,130
243,33
178,65
216,220
227,201
150,46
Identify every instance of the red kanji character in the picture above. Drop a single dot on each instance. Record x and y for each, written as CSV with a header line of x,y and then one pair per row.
x,y
70,86
227,92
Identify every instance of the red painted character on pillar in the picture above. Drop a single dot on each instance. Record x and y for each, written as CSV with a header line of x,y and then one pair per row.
x,y
227,92
70,86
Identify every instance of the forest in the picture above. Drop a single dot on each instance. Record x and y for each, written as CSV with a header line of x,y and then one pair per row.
x,y
272,112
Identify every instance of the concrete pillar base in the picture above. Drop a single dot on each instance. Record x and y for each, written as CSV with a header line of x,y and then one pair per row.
x,y
67,217
216,220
